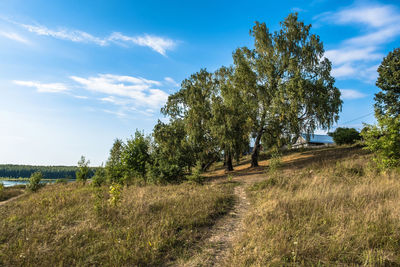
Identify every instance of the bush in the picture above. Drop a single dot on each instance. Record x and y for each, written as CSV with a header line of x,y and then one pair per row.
x,y
384,141
162,172
99,177
343,136
196,175
34,182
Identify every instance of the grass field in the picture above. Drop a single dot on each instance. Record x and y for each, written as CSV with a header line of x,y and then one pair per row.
x,y
322,207
72,224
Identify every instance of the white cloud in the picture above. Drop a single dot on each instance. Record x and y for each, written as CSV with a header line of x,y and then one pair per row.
x,y
371,15
44,87
350,54
159,44
137,90
14,36
65,34
351,94
357,57
171,81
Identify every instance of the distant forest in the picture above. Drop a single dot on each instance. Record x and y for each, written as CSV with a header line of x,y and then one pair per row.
x,y
48,172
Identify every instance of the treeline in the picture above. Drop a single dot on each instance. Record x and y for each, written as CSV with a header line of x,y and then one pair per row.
x,y
48,172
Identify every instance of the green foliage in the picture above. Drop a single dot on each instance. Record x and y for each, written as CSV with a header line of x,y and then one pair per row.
x,y
134,157
196,176
275,162
384,138
172,145
388,100
343,136
114,167
99,177
161,171
83,170
287,82
34,182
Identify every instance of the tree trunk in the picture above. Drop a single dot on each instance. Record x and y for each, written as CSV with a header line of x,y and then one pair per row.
x,y
256,149
229,165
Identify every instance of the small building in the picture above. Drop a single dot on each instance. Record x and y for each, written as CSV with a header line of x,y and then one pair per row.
x,y
315,140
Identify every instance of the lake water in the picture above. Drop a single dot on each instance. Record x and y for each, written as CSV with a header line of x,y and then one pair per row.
x,y
12,183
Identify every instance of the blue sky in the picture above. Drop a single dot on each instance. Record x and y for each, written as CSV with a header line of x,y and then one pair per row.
x,y
75,75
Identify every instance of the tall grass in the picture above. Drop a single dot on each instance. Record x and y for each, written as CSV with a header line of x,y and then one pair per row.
x,y
73,224
330,213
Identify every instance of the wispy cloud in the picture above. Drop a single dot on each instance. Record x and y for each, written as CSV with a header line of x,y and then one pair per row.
x,y
357,57
351,94
135,91
171,81
14,36
157,43
44,87
127,93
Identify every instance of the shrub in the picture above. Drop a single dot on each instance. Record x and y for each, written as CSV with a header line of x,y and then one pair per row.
x,y
99,177
343,136
115,194
196,175
161,172
34,182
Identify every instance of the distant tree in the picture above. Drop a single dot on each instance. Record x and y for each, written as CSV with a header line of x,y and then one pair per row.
x,y
83,170
114,167
384,138
287,82
34,182
343,136
135,155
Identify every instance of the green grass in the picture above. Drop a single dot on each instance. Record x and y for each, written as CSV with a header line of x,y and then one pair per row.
x,y
332,212
72,224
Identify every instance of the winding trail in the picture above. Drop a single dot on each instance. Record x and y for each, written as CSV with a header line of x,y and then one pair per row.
x,y
216,247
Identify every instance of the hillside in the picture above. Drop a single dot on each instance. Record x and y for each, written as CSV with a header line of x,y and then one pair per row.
x,y
319,207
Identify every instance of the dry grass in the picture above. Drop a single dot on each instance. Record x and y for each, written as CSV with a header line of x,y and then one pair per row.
x,y
10,192
327,207
64,225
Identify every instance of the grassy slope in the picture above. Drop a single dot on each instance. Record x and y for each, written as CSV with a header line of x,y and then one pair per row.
x,y
327,207
74,225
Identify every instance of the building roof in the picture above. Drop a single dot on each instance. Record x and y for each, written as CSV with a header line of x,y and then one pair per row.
x,y
318,138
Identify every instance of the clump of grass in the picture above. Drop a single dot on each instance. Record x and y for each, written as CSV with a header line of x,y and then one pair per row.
x,y
70,224
333,214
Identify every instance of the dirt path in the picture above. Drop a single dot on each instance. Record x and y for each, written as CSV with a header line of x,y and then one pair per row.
x,y
12,199
216,248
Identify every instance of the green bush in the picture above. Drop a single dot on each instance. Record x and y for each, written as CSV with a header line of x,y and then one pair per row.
x,y
34,182
196,175
62,181
343,136
162,172
99,177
